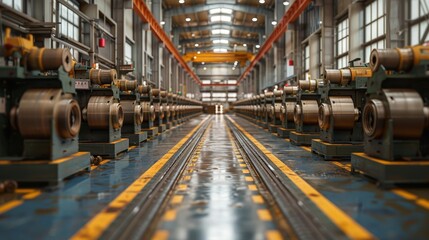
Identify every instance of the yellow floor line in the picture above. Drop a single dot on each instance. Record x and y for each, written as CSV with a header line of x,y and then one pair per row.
x,y
245,171
344,222
264,215
177,199
10,205
258,199
161,235
253,187
98,224
170,215
273,235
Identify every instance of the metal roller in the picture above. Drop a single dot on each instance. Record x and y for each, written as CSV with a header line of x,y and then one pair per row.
x,y
155,92
341,109
101,76
306,112
167,111
38,108
268,94
346,75
103,111
126,85
148,111
163,94
282,113
290,90
143,89
309,85
133,112
45,59
404,107
290,110
278,93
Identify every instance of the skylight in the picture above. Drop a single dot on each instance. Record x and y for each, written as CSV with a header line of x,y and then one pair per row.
x,y
220,31
220,10
220,18
220,50
222,41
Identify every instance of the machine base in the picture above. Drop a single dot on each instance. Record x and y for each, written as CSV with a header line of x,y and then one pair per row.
x,y
272,128
45,171
391,172
169,125
174,123
335,151
136,138
110,149
283,132
162,128
302,139
151,132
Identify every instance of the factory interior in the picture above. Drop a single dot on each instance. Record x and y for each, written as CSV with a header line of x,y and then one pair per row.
x,y
214,119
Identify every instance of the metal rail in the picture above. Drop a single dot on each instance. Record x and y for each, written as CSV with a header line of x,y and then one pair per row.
x,y
137,220
302,221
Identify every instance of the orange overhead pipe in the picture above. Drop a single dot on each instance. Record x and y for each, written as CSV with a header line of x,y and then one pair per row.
x,y
297,7
143,11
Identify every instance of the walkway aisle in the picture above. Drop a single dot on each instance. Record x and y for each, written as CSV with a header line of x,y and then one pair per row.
x,y
216,197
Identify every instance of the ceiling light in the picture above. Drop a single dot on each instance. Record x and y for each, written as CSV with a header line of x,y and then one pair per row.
x,y
198,52
244,45
233,68
222,41
286,3
220,50
220,31
205,68
220,18
320,22
248,34
193,34
203,63
188,19
274,22
162,22
254,19
261,1
264,36
257,46
220,10
196,45
181,1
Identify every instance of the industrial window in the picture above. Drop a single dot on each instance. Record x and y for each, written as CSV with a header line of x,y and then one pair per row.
x,y
306,55
419,11
70,24
16,4
375,22
342,39
128,54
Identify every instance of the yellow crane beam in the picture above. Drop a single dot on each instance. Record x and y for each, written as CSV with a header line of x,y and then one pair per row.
x,y
212,57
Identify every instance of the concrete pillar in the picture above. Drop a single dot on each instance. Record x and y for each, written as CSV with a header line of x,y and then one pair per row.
x,y
395,23
138,48
156,46
328,27
313,43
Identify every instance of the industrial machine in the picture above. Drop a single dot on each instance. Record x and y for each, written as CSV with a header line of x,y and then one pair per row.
x,y
102,114
396,117
172,104
286,111
133,111
158,98
262,110
266,118
39,118
275,111
306,112
148,110
166,108
342,102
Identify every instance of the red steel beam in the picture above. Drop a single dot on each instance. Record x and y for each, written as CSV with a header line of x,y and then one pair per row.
x,y
297,7
145,14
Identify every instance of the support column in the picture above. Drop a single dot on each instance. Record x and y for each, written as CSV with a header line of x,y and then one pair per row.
x,y
328,27
356,32
395,23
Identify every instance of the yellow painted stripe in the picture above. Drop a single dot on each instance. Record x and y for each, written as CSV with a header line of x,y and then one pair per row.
x,y
248,179
25,190
177,199
98,224
347,168
242,165
273,235
344,222
182,187
264,215
160,235
102,163
308,149
10,205
253,187
245,171
31,195
240,160
186,178
258,199
170,215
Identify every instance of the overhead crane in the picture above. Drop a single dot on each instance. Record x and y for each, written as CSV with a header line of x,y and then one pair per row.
x,y
211,57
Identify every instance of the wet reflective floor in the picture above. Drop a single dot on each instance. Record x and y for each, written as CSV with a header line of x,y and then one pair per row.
x,y
217,197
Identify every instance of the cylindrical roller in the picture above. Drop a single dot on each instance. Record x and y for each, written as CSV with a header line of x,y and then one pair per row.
x,y
290,90
324,116
101,76
278,93
155,92
133,112
126,85
163,94
297,114
392,59
148,111
290,110
309,112
167,111
38,108
343,112
338,76
308,85
404,107
282,113
143,89
102,110
45,59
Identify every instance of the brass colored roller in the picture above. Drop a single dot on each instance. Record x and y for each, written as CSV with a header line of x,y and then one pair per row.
x,y
306,112
133,112
44,59
103,111
101,76
308,85
126,85
290,90
148,111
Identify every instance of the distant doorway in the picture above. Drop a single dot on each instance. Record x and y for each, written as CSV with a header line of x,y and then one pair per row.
x,y
219,109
